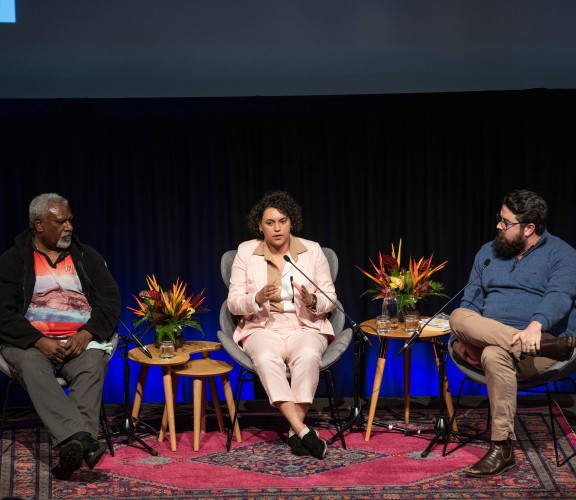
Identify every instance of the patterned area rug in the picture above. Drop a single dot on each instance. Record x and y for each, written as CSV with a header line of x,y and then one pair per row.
x,y
390,465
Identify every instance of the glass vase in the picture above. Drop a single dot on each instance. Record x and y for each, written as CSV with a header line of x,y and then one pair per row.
x,y
390,308
178,338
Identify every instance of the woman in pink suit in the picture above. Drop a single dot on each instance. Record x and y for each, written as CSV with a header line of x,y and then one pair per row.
x,y
283,318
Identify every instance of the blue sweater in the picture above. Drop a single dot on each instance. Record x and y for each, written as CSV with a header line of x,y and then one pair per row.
x,y
539,287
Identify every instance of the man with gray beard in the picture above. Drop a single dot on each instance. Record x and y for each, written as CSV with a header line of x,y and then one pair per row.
x,y
59,306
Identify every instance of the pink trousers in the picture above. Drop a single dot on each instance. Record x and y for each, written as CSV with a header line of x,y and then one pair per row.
x,y
485,343
300,349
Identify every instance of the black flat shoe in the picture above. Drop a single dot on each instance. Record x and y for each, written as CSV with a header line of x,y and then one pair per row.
x,y
314,444
296,446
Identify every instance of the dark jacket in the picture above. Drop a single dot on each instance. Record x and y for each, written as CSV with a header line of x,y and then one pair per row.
x,y
17,279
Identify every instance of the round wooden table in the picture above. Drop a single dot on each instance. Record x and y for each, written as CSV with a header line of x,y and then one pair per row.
x,y
202,370
430,333
180,358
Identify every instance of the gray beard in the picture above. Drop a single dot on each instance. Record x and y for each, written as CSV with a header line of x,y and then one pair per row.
x,y
64,242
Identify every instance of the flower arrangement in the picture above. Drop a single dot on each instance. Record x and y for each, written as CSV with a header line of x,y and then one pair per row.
x,y
168,311
408,286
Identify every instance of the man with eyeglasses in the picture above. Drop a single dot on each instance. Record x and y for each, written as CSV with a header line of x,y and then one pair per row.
x,y
518,318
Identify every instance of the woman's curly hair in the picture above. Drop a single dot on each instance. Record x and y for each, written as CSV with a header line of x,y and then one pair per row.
x,y
281,201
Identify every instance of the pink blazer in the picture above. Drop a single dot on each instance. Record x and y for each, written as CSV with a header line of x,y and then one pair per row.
x,y
249,275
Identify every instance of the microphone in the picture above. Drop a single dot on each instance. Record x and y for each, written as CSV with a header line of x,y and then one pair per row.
x,y
355,326
135,339
417,333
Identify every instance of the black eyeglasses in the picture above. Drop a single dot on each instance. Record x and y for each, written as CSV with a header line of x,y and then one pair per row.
x,y
507,224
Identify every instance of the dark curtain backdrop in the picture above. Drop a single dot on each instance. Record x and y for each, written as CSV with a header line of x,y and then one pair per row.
x,y
162,186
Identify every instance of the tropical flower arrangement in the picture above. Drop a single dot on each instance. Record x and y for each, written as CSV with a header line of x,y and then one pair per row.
x,y
168,311
408,286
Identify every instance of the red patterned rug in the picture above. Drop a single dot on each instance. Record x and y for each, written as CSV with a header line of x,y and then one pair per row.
x,y
390,465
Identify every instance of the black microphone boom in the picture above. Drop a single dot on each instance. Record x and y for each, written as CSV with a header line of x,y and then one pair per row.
x,y
135,339
140,345
356,415
417,333
352,322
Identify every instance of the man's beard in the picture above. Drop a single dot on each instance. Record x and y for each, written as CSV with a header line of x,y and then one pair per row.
x,y
505,248
64,242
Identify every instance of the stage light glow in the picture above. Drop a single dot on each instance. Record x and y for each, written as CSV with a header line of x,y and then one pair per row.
x,y
7,11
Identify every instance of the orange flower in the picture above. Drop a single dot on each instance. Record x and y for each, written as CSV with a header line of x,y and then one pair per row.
x,y
168,311
408,286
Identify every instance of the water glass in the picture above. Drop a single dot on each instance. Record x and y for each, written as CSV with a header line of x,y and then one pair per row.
x,y
382,324
167,349
411,322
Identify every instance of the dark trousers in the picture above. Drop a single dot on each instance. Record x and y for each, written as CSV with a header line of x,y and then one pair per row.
x,y
62,414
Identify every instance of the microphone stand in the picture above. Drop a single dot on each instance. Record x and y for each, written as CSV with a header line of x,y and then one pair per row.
x,y
416,335
443,423
356,416
127,428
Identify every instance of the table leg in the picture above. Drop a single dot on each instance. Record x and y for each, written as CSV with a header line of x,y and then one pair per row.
x,y
140,390
216,403
198,385
169,396
231,406
407,361
376,385
164,423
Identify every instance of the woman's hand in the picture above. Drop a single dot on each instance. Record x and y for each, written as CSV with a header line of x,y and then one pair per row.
x,y
308,298
269,292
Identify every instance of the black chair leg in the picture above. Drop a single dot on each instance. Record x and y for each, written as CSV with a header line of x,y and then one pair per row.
x,y
106,428
467,438
559,463
4,406
330,389
237,394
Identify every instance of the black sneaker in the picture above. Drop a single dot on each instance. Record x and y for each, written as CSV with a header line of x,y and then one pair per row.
x,y
71,455
314,444
295,444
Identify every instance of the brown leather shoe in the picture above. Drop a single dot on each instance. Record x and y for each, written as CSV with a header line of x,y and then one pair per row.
x,y
560,348
499,459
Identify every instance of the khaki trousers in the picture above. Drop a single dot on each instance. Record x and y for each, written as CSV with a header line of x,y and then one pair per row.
x,y
485,343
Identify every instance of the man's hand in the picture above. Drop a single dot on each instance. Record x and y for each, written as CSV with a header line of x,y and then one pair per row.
x,y
54,350
529,338
76,344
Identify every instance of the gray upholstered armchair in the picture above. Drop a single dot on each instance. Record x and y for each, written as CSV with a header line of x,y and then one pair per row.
x,y
336,348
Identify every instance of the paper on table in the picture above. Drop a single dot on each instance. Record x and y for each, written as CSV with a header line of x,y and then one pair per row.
x,y
439,324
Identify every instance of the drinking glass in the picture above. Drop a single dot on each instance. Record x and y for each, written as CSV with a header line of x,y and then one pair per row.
x,y
411,321
167,349
382,324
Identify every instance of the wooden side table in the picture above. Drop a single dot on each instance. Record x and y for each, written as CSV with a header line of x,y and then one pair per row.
x,y
145,362
369,327
201,370
181,357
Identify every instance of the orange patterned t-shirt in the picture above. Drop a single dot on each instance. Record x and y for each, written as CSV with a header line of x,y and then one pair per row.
x,y
58,307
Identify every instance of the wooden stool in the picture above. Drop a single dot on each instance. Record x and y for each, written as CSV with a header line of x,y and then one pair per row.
x,y
200,370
